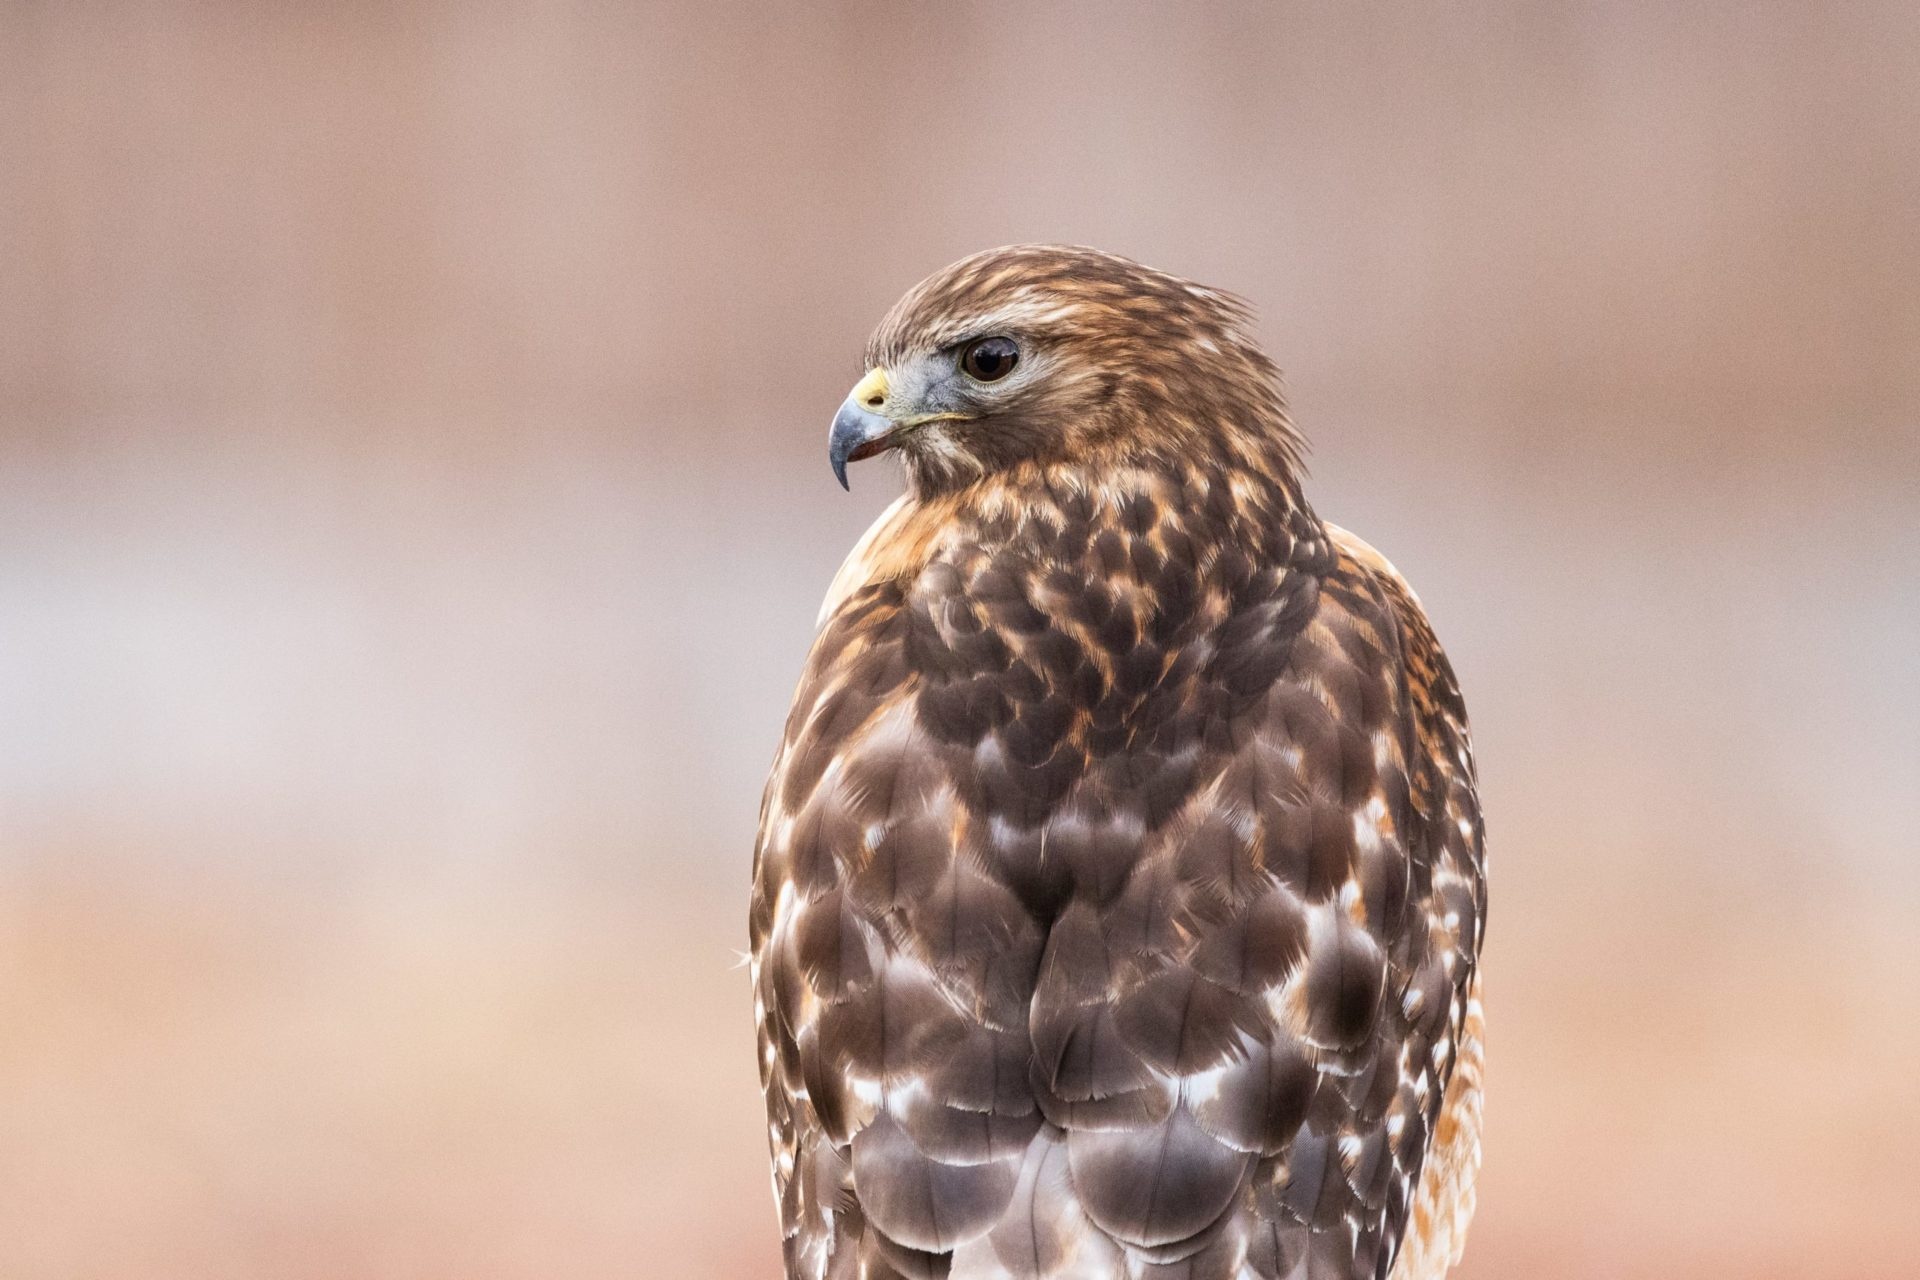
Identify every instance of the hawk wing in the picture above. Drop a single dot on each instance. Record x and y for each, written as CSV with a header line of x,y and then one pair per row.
x,y
1117,901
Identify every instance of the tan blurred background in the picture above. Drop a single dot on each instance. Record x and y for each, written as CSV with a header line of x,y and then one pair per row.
x,y
413,506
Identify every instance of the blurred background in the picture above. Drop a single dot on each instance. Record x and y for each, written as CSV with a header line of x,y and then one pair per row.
x,y
413,508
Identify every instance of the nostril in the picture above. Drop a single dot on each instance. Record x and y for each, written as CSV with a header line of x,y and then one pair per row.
x,y
875,400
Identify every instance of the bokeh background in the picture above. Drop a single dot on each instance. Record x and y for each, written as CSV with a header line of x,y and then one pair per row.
x,y
413,507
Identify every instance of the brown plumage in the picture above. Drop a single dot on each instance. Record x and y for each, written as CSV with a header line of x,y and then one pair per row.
x,y
1119,890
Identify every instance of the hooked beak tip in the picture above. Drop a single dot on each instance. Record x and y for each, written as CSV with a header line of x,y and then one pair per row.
x,y
857,433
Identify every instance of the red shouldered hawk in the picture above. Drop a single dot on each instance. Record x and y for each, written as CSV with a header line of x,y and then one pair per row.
x,y
1119,890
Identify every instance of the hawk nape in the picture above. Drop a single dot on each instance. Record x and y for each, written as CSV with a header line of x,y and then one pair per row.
x,y
1118,896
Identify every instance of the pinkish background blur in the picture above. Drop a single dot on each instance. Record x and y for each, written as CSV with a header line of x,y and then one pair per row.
x,y
413,506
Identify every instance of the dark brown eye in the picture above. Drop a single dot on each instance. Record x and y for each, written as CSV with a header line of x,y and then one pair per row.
x,y
989,359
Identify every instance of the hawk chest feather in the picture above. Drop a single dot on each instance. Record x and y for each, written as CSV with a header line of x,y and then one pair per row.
x,y
1117,898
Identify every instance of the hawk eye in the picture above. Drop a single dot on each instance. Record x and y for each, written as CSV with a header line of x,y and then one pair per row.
x,y
989,359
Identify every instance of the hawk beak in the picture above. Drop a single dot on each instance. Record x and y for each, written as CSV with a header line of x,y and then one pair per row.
x,y
860,430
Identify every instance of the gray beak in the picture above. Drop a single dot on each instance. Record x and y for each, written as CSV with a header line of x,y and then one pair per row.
x,y
856,434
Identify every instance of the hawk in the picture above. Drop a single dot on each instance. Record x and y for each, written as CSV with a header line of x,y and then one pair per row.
x,y
1119,890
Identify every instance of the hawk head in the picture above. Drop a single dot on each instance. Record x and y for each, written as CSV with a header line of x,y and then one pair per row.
x,y
1038,355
